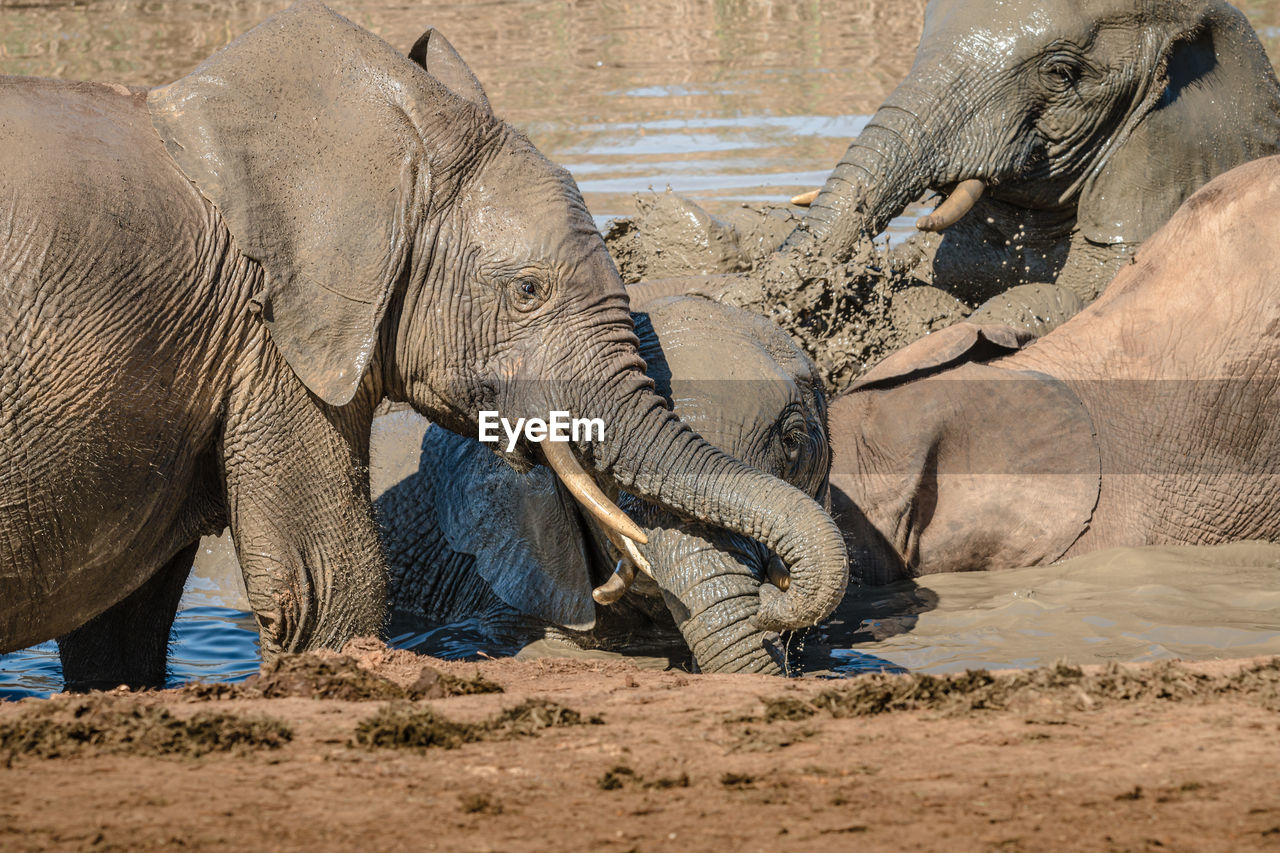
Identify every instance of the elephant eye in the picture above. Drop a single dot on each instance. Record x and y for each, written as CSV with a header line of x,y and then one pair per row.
x,y
528,293
1060,73
795,433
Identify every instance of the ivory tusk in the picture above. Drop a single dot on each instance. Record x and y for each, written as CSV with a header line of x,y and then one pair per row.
x,y
805,199
778,574
951,211
594,501
612,589
635,557
627,550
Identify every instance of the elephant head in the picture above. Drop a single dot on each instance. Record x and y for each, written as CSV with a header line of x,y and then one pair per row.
x,y
945,463
1101,113
414,246
734,376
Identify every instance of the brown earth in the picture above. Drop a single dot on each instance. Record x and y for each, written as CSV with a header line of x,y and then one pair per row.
x,y
591,755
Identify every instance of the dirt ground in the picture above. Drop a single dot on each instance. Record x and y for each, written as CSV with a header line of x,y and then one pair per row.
x,y
590,755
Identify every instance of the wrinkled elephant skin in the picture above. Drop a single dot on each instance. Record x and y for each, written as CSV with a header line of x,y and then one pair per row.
x,y
207,291
1087,123
485,541
1147,419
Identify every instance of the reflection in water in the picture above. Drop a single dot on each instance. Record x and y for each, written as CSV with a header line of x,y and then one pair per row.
x,y
207,644
464,640
729,101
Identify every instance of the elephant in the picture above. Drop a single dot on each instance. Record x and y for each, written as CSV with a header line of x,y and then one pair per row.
x,y
1070,130
1146,419
467,537
206,288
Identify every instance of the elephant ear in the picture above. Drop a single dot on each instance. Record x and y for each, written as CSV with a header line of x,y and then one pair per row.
x,y
294,134
943,349
523,529
437,57
1212,104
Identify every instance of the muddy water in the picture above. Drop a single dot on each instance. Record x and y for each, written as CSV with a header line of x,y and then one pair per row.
x,y
726,101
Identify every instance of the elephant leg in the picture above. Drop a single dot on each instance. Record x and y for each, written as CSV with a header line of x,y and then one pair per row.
x,y
1090,267
299,511
129,643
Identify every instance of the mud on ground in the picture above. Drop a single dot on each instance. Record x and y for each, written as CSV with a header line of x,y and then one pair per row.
x,y
594,755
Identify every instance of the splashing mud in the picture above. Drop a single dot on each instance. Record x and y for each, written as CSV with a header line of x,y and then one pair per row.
x,y
847,315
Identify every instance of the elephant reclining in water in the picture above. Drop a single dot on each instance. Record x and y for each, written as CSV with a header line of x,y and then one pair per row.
x,y
1148,419
467,536
205,290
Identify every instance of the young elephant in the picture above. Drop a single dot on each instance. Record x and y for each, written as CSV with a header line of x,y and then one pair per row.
x,y
1086,122
1147,419
205,290
467,536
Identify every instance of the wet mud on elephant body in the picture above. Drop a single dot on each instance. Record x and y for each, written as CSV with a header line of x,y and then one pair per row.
x,y
206,294
1082,126
1087,125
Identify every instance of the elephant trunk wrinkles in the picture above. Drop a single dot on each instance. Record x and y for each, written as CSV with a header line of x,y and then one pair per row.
x,y
655,456
895,159
713,593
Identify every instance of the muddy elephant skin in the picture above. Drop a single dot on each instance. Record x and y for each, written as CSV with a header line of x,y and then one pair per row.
x,y
1147,419
467,537
1088,123
205,290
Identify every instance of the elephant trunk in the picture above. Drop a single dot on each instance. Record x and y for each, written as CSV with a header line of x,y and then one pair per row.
x,y
900,154
648,452
712,591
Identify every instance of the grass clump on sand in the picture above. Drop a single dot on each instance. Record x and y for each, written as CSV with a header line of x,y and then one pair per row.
x,y
979,690
404,726
455,685
479,804
401,726
99,724
621,776
324,675
314,676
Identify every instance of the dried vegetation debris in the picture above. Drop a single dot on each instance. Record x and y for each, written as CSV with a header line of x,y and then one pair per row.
x,y
622,776
402,725
1061,684
127,724
325,675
